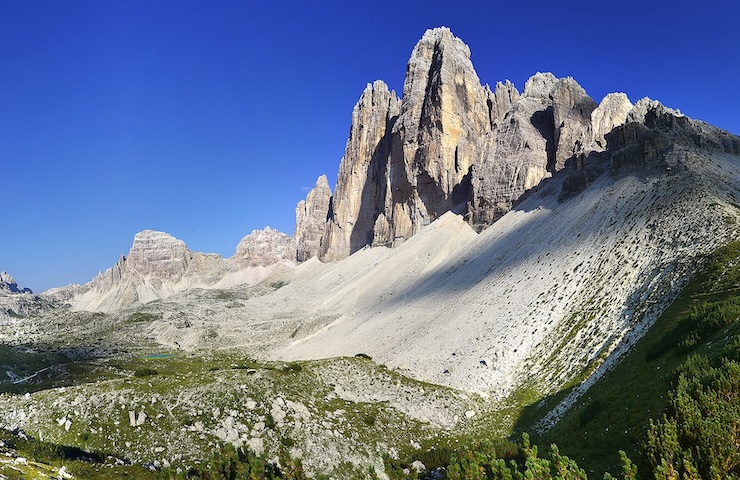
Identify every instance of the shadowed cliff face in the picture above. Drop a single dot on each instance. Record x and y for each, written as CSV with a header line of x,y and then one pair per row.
x,y
450,144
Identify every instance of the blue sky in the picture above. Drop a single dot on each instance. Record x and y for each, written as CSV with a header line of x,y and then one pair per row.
x,y
210,119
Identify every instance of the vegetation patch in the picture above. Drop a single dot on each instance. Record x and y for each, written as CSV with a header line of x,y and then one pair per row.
x,y
698,329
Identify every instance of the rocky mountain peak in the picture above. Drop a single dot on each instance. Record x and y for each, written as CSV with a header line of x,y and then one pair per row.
x,y
311,216
9,285
611,112
539,85
452,144
158,253
265,247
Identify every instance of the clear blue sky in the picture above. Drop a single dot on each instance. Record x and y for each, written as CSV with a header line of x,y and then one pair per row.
x,y
210,119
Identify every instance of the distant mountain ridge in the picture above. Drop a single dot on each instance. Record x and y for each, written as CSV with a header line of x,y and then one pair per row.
x,y
9,285
159,265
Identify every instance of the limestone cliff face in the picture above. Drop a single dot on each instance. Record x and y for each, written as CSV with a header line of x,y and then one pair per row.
x,y
572,109
362,179
265,247
158,255
444,115
611,112
311,220
159,265
656,137
518,152
450,143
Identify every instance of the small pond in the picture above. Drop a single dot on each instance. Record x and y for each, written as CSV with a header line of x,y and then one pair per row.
x,y
157,356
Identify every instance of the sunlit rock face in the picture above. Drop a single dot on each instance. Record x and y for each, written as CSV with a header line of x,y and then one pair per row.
x,y
362,181
265,247
158,254
450,144
311,220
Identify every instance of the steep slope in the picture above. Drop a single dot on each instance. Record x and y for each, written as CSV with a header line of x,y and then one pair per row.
x,y
553,287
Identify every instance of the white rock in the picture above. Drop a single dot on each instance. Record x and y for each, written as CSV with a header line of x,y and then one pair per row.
x,y
418,466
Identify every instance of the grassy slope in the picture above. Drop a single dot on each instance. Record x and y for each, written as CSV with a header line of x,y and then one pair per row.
x,y
613,415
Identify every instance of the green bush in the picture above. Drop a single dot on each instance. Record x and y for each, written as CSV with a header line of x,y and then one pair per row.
x,y
230,463
698,437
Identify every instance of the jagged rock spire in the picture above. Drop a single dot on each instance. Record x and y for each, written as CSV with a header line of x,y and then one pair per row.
x,y
311,220
362,179
450,143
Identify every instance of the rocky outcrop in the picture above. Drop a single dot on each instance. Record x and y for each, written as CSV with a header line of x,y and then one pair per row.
x,y
572,109
159,265
362,180
611,112
158,255
519,152
311,217
265,247
452,144
449,144
656,137
445,113
9,285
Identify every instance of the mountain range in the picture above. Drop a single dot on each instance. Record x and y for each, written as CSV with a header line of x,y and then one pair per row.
x,y
482,239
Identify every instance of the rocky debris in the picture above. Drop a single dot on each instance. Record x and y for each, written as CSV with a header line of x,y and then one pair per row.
x,y
63,473
64,422
137,419
418,466
9,285
265,247
311,216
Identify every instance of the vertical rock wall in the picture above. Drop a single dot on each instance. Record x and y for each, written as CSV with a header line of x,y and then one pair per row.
x,y
450,143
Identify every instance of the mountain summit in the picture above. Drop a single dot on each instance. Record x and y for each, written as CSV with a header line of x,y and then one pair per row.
x,y
451,144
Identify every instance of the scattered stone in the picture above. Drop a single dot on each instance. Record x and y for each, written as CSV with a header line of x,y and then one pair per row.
x,y
63,473
418,466
137,420
257,445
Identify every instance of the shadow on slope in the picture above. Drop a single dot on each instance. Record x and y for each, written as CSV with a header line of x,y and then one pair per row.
x,y
509,242
33,367
614,413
